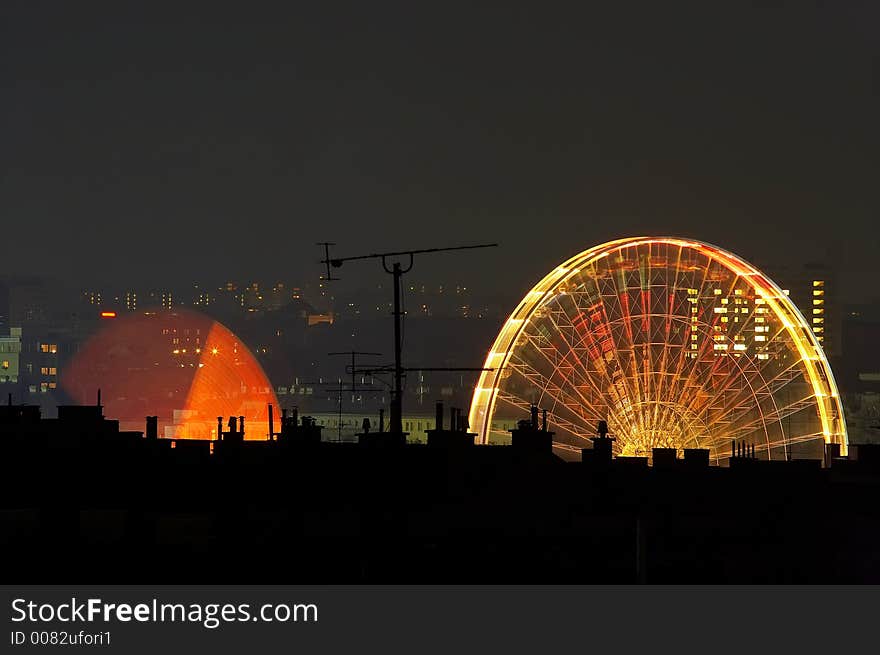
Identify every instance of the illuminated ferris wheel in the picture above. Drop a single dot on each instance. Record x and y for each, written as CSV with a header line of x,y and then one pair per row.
x,y
675,343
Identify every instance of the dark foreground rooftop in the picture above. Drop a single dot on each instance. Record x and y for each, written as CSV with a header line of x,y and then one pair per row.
x,y
83,501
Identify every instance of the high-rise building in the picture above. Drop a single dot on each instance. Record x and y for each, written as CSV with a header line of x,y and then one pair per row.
x,y
92,298
10,354
813,289
29,301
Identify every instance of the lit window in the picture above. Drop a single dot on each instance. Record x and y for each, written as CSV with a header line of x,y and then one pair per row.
x,y
763,356
818,311
760,337
717,292
739,346
5,364
53,370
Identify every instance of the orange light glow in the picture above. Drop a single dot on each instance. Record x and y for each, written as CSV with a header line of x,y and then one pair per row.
x,y
641,332
108,314
142,364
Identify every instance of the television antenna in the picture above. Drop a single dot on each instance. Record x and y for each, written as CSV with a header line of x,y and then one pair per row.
x,y
395,269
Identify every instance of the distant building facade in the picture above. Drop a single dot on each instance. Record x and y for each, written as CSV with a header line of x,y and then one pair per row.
x,y
813,289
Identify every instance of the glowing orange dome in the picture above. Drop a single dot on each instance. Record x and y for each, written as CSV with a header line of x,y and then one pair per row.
x,y
181,366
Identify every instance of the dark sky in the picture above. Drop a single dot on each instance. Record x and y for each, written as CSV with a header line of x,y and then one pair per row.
x,y
150,142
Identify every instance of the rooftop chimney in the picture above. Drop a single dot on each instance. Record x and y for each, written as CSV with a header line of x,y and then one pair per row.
x,y
438,415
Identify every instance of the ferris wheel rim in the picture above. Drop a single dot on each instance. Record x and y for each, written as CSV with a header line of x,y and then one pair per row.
x,y
809,350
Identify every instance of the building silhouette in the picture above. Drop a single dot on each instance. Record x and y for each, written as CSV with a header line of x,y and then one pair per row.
x,y
80,497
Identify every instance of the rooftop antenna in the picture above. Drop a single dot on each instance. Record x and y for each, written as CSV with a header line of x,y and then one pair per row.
x,y
396,270
353,353
329,277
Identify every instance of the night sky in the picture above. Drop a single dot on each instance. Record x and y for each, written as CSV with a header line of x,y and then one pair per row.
x,y
153,143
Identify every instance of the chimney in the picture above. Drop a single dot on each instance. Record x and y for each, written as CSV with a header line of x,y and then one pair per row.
x,y
99,396
438,415
271,422
219,428
381,420
241,425
534,417
544,420
152,427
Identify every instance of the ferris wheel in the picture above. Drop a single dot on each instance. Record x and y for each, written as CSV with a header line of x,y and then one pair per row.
x,y
675,343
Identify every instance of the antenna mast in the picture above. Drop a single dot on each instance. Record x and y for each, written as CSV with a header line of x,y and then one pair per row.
x,y
396,270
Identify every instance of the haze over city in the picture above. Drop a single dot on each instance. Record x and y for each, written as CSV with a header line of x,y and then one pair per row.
x,y
174,144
